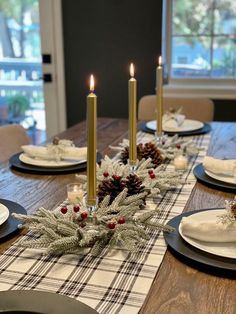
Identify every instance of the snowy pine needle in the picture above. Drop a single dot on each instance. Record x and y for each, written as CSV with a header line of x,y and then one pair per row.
x,y
115,225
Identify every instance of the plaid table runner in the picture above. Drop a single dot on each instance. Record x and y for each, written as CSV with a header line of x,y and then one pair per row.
x,y
115,282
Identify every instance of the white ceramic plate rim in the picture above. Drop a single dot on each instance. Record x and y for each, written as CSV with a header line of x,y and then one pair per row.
x,y
4,213
188,125
47,163
215,248
221,177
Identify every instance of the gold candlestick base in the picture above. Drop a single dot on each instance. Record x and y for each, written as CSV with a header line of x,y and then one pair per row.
x,y
91,222
133,165
159,137
91,205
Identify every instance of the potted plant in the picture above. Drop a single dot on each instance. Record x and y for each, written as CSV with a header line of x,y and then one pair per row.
x,y
3,109
18,105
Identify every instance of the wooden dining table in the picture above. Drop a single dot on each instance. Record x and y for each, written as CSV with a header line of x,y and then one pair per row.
x,y
178,287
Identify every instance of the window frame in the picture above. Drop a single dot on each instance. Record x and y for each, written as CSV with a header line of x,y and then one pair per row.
x,y
181,87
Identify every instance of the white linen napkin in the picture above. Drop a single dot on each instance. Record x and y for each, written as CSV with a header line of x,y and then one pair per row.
x,y
63,150
220,167
173,120
208,231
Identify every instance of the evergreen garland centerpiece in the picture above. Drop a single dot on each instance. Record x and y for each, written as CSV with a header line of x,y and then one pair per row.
x,y
164,152
113,176
116,224
170,146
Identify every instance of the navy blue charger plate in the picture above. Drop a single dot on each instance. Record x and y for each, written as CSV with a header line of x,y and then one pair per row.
x,y
10,226
202,260
205,129
16,164
200,174
38,302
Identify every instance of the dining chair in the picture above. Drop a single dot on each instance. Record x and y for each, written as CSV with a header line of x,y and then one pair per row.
x,y
197,108
12,137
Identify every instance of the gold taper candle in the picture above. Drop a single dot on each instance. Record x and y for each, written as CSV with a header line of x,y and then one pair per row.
x,y
132,116
91,144
159,96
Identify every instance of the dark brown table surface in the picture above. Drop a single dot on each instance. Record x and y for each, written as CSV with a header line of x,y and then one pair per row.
x,y
177,288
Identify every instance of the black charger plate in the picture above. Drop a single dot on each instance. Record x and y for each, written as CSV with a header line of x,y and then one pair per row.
x,y
200,174
195,257
10,226
205,129
16,164
29,302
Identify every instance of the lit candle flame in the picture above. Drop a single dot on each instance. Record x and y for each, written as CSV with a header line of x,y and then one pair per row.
x,y
159,61
131,70
91,83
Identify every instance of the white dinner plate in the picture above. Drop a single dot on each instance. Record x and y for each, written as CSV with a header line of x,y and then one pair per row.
x,y
225,249
222,178
188,125
4,213
48,163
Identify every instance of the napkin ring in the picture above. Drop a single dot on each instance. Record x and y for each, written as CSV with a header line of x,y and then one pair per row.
x,y
230,216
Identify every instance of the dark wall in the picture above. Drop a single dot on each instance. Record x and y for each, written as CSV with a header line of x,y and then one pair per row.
x,y
225,110
103,37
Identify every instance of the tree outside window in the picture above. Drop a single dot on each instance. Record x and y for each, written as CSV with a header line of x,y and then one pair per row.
x,y
203,39
19,29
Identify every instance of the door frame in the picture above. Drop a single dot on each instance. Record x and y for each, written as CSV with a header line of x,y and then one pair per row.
x,y
51,30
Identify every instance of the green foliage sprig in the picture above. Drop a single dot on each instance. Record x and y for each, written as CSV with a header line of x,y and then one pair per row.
x,y
112,226
168,146
155,180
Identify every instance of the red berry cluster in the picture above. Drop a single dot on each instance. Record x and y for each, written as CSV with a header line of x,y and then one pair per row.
x,y
178,146
116,178
64,210
112,224
121,220
84,215
151,174
105,174
76,209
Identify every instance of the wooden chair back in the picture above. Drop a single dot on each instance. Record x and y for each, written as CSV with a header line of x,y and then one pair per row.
x,y
12,137
201,108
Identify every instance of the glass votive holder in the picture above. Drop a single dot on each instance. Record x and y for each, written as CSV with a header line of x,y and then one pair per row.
x,y
180,163
159,137
75,193
132,165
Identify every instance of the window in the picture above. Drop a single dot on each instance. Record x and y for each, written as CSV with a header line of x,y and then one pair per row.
x,y
199,41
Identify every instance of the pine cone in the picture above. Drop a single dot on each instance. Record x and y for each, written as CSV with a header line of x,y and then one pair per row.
x,y
116,185
134,184
148,150
112,187
124,155
233,210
